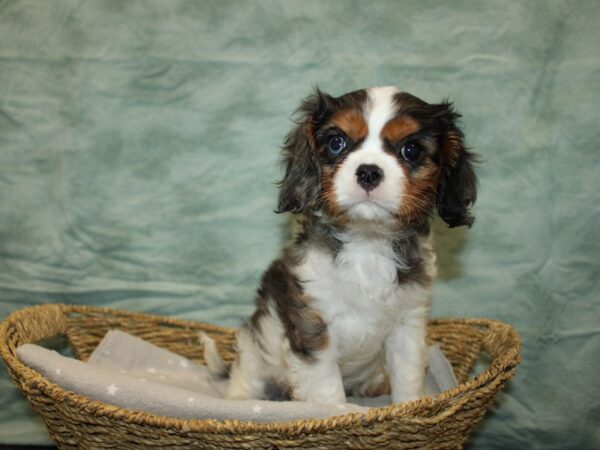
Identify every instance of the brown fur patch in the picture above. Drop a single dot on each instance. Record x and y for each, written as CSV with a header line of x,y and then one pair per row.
x,y
303,324
419,194
398,128
352,123
375,390
328,194
451,146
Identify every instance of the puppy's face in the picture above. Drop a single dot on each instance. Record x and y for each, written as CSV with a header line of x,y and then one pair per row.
x,y
377,155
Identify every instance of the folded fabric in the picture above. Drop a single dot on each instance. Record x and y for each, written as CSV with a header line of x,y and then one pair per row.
x,y
128,372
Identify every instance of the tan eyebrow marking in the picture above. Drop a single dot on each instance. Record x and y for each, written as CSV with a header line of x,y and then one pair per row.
x,y
352,123
400,127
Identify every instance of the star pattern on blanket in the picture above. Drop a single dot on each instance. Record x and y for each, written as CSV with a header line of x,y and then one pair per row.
x,y
112,389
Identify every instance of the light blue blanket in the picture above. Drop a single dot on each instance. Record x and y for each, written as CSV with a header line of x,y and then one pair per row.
x,y
139,146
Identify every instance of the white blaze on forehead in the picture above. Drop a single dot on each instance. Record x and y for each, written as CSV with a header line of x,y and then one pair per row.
x,y
380,109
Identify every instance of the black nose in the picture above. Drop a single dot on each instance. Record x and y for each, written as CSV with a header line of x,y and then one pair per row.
x,y
369,176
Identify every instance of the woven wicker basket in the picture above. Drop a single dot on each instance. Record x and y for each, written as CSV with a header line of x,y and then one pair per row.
x,y
75,421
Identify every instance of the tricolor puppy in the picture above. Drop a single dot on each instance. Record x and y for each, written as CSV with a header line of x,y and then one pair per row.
x,y
348,301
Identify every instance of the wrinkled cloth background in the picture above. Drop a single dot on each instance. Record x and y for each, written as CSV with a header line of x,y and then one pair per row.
x,y
139,147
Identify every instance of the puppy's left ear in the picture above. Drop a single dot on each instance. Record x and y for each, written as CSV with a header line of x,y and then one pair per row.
x,y
301,184
457,190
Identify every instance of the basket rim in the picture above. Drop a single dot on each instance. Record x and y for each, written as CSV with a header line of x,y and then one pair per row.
x,y
500,368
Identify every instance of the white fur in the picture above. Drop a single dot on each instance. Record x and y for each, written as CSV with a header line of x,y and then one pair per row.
x,y
213,361
247,376
317,381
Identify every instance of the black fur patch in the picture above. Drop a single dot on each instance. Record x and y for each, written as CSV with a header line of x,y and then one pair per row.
x,y
457,191
409,253
315,231
304,327
277,391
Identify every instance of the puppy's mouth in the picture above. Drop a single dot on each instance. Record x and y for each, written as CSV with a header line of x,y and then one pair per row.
x,y
369,201
369,209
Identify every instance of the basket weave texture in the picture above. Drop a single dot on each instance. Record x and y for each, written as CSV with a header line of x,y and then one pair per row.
x,y
75,421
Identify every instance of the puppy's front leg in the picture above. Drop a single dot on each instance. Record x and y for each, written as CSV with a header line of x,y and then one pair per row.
x,y
405,356
317,378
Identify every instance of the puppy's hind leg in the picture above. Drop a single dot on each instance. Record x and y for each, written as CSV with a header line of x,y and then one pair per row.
x,y
316,380
246,379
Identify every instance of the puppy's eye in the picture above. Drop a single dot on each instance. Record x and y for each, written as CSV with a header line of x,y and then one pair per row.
x,y
411,151
336,145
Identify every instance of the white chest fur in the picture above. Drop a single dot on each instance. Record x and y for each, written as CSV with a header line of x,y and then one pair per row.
x,y
359,297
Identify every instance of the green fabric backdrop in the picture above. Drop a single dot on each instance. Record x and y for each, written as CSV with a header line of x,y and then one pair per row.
x,y
139,146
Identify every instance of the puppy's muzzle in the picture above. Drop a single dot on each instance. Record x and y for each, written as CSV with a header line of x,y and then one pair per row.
x,y
369,176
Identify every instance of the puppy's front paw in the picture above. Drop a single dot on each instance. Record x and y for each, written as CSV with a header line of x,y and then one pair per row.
x,y
403,396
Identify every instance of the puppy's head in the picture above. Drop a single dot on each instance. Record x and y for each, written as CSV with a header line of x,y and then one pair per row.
x,y
377,155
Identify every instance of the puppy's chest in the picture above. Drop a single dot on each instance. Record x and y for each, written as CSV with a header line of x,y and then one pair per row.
x,y
356,292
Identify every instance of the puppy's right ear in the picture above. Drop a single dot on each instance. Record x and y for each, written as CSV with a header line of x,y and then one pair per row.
x,y
301,185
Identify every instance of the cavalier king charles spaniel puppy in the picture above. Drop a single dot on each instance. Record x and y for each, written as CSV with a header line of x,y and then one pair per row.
x,y
344,310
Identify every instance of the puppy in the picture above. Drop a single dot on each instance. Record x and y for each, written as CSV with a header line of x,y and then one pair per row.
x,y
348,301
